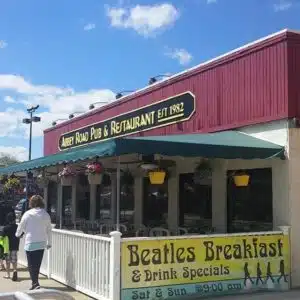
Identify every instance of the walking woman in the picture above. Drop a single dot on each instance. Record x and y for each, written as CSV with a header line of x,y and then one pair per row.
x,y
36,226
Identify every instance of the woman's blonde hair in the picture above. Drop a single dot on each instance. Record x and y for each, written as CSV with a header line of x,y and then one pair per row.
x,y
36,201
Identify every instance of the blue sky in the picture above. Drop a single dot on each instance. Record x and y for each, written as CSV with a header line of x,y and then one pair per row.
x,y
66,54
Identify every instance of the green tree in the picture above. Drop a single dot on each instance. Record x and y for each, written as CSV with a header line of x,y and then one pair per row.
x,y
7,160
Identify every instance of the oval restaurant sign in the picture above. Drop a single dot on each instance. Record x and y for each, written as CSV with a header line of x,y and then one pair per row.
x,y
165,268
172,110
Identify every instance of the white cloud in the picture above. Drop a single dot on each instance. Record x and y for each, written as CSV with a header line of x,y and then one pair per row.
x,y
211,1
9,99
89,26
181,55
3,44
18,152
56,103
146,20
20,85
282,5
11,122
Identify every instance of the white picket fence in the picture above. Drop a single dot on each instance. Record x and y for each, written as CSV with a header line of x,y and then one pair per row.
x,y
87,263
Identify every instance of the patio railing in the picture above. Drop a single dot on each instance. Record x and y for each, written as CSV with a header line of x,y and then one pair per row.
x,y
87,263
91,263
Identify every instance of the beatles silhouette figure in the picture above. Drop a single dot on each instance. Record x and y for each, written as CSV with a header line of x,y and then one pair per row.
x,y
269,275
258,274
247,274
282,271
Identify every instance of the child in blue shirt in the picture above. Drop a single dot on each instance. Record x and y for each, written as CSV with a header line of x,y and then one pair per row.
x,y
9,231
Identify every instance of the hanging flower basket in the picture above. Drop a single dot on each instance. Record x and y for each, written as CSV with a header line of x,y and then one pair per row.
x,y
12,184
66,176
94,172
202,171
157,177
241,179
95,178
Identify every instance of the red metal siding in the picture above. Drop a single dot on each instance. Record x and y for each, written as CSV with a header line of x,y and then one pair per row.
x,y
246,88
294,76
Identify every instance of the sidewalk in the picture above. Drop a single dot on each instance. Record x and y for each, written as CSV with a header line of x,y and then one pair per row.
x,y
24,283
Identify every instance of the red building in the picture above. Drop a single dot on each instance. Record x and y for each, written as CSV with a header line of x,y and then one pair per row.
x,y
248,102
254,84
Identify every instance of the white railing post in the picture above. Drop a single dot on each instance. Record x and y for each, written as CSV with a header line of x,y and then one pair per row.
x,y
285,229
49,263
115,265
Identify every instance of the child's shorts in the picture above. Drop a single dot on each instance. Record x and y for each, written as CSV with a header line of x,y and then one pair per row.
x,y
12,257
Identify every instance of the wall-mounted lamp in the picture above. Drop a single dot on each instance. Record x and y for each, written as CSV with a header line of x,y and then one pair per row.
x,y
155,78
121,94
92,106
58,120
71,116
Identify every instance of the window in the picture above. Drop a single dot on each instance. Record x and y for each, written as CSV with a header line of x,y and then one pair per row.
x,y
195,204
155,208
67,201
52,200
127,203
103,202
250,208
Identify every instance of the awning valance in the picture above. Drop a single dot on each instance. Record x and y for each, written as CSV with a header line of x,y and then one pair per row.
x,y
226,145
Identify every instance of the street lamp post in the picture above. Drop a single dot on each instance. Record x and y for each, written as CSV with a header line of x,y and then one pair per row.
x,y
30,120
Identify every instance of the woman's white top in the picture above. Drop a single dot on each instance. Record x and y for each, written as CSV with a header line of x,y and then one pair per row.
x,y
36,226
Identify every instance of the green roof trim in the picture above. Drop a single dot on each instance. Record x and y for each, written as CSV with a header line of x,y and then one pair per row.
x,y
226,145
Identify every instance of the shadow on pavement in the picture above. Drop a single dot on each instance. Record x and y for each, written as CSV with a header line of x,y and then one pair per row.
x,y
61,288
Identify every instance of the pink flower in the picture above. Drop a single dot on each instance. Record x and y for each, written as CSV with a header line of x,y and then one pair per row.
x,y
94,168
66,171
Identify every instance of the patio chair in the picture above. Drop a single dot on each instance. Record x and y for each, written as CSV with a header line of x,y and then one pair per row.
x,y
79,223
159,231
142,231
107,228
181,231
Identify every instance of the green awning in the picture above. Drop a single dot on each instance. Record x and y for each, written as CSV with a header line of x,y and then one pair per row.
x,y
81,153
226,145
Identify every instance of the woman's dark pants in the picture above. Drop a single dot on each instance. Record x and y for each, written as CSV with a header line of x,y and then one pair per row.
x,y
34,259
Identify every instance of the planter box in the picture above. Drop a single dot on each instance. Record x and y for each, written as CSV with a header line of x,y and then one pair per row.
x,y
95,178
